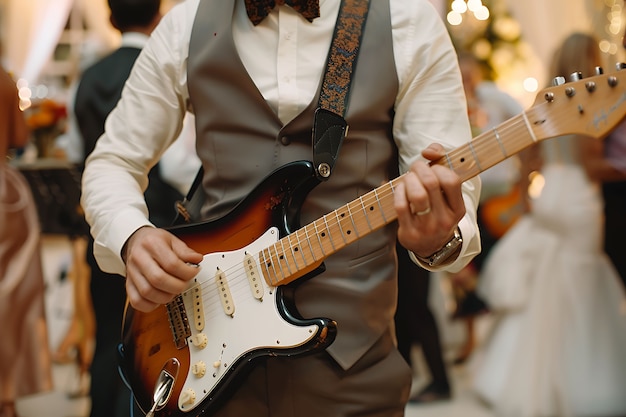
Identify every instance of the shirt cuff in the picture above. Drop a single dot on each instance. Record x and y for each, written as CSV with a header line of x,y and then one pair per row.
x,y
109,243
469,249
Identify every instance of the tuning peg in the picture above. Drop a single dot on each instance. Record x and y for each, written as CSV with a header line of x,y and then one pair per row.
x,y
558,81
599,71
620,66
576,76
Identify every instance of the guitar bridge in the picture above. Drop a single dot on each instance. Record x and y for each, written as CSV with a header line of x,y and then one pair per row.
x,y
179,323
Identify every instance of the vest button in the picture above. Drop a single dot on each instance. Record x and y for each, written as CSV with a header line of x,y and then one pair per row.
x,y
285,140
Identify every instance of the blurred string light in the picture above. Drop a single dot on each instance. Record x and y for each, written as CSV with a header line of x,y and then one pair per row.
x,y
29,93
459,7
613,26
25,94
493,36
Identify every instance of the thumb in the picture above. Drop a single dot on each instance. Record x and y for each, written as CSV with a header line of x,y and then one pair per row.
x,y
185,253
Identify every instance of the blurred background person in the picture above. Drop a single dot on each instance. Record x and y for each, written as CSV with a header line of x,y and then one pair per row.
x,y
93,97
500,198
557,347
605,161
25,367
98,91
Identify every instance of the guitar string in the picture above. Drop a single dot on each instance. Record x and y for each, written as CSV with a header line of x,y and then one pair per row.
x,y
237,279
508,139
334,221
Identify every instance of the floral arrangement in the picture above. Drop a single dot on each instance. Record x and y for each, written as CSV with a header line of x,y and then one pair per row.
x,y
46,120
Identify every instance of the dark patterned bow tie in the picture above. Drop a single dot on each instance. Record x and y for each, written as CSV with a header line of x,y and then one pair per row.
x,y
258,9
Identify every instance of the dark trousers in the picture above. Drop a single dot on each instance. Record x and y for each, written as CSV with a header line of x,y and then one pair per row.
x,y
109,395
415,323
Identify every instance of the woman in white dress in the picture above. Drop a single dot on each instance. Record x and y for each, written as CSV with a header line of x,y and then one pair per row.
x,y
558,345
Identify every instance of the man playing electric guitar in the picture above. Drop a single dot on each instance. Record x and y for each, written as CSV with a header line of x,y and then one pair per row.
x,y
251,76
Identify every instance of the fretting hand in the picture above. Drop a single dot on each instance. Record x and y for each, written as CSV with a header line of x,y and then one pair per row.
x,y
429,204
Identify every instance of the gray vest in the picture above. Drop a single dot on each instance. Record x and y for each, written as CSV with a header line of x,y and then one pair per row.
x,y
240,140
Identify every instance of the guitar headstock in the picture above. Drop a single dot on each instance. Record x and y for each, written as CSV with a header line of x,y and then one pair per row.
x,y
590,106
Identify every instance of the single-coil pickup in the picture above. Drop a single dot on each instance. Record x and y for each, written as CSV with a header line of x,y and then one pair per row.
x,y
254,278
198,309
223,292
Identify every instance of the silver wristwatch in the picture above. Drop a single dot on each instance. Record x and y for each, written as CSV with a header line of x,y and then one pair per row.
x,y
445,253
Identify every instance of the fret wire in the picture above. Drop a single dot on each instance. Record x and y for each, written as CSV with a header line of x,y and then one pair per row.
x,y
356,217
266,267
295,249
380,207
278,267
317,233
532,133
272,263
382,211
285,255
299,247
502,148
308,240
471,147
351,216
343,236
365,213
285,252
263,264
328,234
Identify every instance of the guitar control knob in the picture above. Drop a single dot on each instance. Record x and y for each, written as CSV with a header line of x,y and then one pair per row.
x,y
200,340
199,369
187,397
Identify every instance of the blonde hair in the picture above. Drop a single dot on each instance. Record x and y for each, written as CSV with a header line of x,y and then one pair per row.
x,y
579,52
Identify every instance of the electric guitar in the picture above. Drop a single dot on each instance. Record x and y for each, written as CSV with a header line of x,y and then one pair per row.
x,y
499,213
181,358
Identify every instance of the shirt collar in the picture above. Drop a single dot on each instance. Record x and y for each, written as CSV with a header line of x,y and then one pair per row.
x,y
134,40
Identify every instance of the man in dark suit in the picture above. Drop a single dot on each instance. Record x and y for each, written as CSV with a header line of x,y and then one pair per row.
x,y
98,92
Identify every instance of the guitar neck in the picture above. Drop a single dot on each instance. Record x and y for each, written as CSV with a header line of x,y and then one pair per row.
x,y
310,245
491,147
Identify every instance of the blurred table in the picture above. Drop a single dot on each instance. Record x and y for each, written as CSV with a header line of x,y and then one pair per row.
x,y
55,185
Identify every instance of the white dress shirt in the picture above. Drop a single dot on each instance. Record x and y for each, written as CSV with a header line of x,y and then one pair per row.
x,y
285,56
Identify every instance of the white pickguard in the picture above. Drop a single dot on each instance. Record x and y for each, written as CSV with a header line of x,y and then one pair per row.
x,y
255,324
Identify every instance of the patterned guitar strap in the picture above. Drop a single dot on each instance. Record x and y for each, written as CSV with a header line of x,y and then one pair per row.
x,y
329,126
